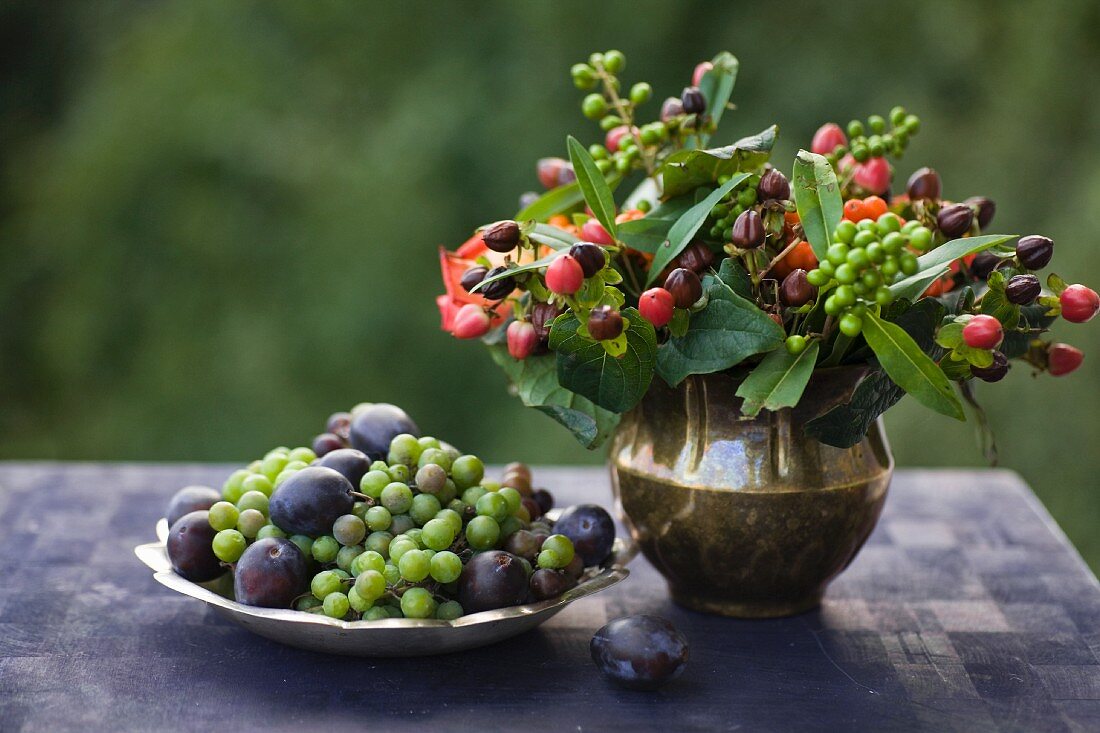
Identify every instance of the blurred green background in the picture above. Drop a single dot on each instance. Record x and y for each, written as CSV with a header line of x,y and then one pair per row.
x,y
219,220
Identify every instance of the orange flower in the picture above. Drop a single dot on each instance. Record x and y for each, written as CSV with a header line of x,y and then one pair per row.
x,y
453,265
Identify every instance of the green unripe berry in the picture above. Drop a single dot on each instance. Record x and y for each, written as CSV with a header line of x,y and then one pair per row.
x,y
603,166
614,61
858,259
855,129
594,106
228,545
866,225
832,306
859,288
864,239
845,296
889,267
640,93
887,223
871,278
912,124
336,605
650,136
846,231
584,76
893,243
897,116
827,267
874,144
861,153
921,238
746,197
598,152
796,344
877,124
850,325
622,164
817,278
609,122
837,254
883,296
845,275
908,264
875,252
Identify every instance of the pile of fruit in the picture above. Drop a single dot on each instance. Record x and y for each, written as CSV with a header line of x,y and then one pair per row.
x,y
375,522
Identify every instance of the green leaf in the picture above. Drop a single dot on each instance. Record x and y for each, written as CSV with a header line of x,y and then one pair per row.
x,y
597,194
536,382
679,236
817,197
559,199
729,330
584,366
909,367
935,264
717,86
733,274
778,381
651,231
950,335
513,271
686,170
552,237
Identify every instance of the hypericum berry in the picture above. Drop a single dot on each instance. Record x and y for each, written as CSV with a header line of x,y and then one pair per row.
x,y
564,276
522,339
796,290
542,317
684,286
656,306
873,176
995,372
697,257
924,184
498,289
471,322
670,108
983,332
774,186
591,257
795,344
1079,303
850,325
502,236
1063,359
828,138
593,231
693,100
984,209
1022,289
1034,251
748,230
473,277
554,172
605,323
984,264
700,69
955,220
615,136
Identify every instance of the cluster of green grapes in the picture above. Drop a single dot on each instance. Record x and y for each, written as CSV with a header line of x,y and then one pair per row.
x,y
864,260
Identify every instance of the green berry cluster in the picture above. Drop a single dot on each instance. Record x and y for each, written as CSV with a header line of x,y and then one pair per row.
x,y
864,260
873,140
726,211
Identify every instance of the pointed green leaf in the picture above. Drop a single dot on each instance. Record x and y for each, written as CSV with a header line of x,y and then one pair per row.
x,y
733,274
597,194
686,170
559,199
778,381
651,231
512,271
934,265
909,367
817,197
552,237
679,236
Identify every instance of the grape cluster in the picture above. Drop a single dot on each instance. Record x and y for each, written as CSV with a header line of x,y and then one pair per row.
x,y
351,538
866,257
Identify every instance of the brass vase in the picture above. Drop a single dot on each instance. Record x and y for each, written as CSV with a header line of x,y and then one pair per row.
x,y
746,517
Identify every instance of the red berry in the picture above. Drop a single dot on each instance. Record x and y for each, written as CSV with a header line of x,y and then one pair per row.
x,y
471,322
564,276
522,339
827,138
1079,303
615,134
656,306
700,69
593,231
873,176
1063,359
554,172
983,332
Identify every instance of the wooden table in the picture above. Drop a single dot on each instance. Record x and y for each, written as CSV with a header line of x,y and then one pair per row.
x,y
967,610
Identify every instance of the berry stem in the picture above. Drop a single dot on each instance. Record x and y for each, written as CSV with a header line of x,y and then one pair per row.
x,y
625,112
778,258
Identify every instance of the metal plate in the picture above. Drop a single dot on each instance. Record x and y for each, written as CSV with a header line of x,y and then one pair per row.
x,y
398,637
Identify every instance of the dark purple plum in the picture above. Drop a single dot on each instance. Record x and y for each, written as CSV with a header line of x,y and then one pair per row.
x,y
373,427
591,530
310,501
546,583
189,548
271,573
325,443
640,652
348,462
493,579
190,499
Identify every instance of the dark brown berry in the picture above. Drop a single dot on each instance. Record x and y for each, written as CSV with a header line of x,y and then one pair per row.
x,y
684,286
693,101
1022,289
697,257
1034,251
542,317
502,236
591,257
995,372
605,323
796,289
774,186
984,208
498,289
472,277
924,184
748,230
984,264
672,107
955,220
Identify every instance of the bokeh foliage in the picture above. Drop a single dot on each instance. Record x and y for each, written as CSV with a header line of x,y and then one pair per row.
x,y
218,220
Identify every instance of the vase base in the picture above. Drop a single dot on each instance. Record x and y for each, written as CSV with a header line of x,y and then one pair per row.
x,y
746,609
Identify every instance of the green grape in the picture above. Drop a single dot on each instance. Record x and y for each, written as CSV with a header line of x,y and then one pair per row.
x,y
379,542
324,583
305,603
437,456
342,573
376,613
399,546
448,611
493,505
405,450
513,497
336,605
257,482
325,549
446,567
399,473
378,518
561,545
472,494
369,560
228,545
482,533
550,560
370,585
282,450
401,523
391,574
379,466
414,534
452,518
253,500
424,507
349,530
510,526
459,507
358,603
414,566
428,442
397,497
303,454
304,543
417,603
223,515
448,492
347,555
283,476
359,509
250,522
232,488
467,471
438,534
270,530
273,465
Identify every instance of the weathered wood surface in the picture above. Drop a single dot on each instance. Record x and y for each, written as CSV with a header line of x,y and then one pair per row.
x,y
967,610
